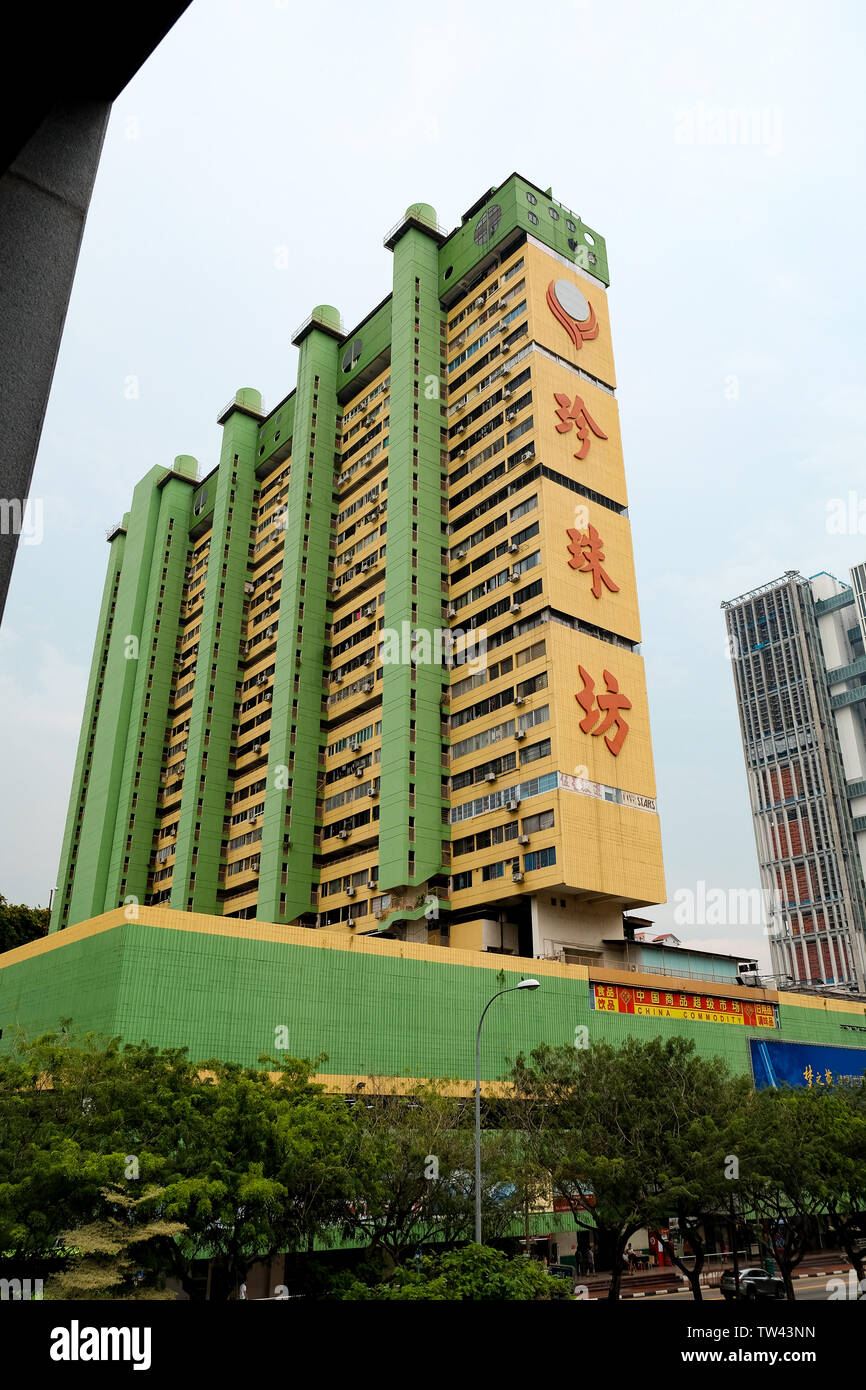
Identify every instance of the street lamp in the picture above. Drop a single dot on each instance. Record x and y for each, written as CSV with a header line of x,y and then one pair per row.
x,y
523,984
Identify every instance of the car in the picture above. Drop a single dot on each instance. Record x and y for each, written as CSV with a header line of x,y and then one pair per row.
x,y
755,1283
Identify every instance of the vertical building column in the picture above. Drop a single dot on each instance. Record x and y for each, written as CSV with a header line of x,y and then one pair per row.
x,y
111,708
196,878
83,761
413,559
149,713
286,858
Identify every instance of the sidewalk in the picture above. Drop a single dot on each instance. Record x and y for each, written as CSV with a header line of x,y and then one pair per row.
x,y
667,1279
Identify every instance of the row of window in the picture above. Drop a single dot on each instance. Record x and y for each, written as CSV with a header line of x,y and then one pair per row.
x,y
536,859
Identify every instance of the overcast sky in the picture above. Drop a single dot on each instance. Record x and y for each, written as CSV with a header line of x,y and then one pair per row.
x,y
251,170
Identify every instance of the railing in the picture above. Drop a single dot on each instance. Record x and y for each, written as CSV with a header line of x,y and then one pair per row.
x,y
230,405
433,226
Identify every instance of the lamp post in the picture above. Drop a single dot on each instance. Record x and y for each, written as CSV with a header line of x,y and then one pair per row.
x,y
524,984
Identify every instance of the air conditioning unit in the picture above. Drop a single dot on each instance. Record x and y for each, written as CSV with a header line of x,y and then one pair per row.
x,y
517,876
370,610
367,687
511,415
461,429
252,820
336,678
506,347
515,608
478,302
513,804
523,839
513,548
514,576
369,659
507,393
269,695
350,922
460,554
452,612
520,733
359,772
350,892
257,748
354,747
518,699
260,680
491,777
269,632
371,883
506,370
373,792
342,834
461,452
250,588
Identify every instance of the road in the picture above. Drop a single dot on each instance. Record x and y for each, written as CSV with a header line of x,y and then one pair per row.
x,y
811,1289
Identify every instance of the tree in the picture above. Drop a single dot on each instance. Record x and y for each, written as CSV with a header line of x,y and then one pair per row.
x,y
631,1136
781,1178
77,1114
414,1170
691,1150
249,1166
588,1122
20,924
809,1163
108,1252
475,1273
843,1173
276,1175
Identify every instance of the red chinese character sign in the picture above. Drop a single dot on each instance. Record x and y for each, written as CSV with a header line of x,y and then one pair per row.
x,y
576,414
587,556
697,1008
573,310
607,707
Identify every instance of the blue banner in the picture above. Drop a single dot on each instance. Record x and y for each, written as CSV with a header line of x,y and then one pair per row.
x,y
776,1063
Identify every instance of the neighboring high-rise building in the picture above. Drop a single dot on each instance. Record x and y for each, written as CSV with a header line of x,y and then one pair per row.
x,y
379,670
800,676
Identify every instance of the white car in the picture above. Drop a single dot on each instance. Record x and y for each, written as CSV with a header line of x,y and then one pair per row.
x,y
755,1283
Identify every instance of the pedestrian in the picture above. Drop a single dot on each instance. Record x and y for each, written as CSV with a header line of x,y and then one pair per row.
x,y
590,1259
629,1258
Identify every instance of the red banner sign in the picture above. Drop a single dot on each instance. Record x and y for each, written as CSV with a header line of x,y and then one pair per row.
x,y
701,1008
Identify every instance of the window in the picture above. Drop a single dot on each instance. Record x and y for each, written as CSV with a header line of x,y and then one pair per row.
x,y
531,198
542,821
554,214
539,859
538,750
523,507
529,687
493,871
570,225
533,219
461,881
531,653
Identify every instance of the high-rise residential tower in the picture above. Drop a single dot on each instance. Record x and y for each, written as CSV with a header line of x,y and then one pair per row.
x,y
379,669
799,667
